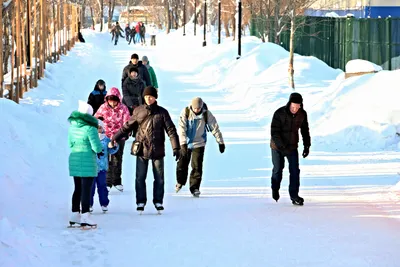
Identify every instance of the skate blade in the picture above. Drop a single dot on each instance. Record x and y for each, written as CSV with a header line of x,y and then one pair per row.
x,y
159,212
88,227
297,203
73,225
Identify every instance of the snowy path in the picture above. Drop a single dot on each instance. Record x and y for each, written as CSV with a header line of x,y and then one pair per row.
x,y
235,222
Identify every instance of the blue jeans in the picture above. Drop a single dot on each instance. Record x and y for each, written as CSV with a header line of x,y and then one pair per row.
x,y
102,191
278,161
140,183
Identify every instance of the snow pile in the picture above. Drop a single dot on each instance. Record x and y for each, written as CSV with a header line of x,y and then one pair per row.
x,y
360,65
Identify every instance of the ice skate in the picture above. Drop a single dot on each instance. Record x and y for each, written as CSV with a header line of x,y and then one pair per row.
x,y
86,222
120,187
140,208
159,208
297,201
104,209
178,187
196,193
74,220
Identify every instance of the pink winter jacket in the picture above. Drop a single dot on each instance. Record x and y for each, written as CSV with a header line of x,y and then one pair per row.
x,y
114,118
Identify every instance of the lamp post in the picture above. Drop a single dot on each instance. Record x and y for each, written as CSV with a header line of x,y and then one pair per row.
x,y
205,22
184,18
195,17
219,21
239,29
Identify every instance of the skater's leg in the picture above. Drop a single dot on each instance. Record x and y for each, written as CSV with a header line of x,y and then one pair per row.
x,y
102,189
76,196
182,169
118,163
197,168
111,171
158,185
294,174
86,185
93,190
140,183
278,162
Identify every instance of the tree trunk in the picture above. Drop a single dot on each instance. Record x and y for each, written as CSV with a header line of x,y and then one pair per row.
x,y
226,26
101,14
168,16
291,51
234,27
91,14
277,24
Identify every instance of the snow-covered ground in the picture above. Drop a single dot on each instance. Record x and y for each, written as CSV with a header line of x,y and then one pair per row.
x,y
348,181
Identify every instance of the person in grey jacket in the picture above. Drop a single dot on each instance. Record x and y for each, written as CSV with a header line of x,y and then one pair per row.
x,y
194,122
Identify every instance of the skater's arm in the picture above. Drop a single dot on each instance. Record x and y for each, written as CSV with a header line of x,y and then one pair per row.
x,y
91,100
126,94
124,76
214,127
276,130
305,131
182,127
153,77
94,140
170,129
146,77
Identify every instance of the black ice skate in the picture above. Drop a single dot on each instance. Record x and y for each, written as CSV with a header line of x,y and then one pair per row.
x,y
297,201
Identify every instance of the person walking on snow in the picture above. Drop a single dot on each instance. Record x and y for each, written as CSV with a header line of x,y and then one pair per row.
x,y
194,122
149,121
102,167
114,115
143,72
152,32
84,144
96,97
132,90
152,74
285,126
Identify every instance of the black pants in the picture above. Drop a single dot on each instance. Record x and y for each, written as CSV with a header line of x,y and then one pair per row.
x,y
132,37
153,40
278,160
142,165
182,168
82,194
115,166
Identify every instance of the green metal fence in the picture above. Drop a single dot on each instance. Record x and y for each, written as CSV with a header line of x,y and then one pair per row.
x,y
338,40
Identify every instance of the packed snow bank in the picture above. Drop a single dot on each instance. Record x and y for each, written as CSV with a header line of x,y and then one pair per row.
x,y
360,65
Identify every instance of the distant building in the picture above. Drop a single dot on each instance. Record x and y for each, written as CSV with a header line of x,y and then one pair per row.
x,y
358,8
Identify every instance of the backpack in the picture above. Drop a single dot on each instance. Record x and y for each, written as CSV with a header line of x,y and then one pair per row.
x,y
187,111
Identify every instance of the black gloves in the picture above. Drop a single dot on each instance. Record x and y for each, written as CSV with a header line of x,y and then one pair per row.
x,y
184,150
306,151
221,148
100,154
177,154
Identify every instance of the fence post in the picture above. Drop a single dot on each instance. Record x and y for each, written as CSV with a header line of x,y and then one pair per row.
x,y
349,40
389,41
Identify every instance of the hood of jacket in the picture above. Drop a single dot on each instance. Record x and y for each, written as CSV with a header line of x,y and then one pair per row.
x,y
83,119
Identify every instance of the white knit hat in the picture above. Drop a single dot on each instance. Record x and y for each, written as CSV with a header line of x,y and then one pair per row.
x,y
85,108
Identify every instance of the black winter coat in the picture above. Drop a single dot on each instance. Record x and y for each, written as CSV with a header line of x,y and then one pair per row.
x,y
132,90
285,129
143,73
151,133
97,97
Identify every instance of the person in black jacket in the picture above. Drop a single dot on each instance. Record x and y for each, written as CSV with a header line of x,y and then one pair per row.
x,y
149,122
132,90
96,97
285,126
143,72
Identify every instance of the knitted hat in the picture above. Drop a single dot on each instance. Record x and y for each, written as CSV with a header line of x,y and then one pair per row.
x,y
135,56
150,90
145,58
296,98
197,102
133,69
85,108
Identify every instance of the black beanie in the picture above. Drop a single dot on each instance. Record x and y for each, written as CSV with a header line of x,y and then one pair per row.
x,y
296,98
134,56
150,90
133,69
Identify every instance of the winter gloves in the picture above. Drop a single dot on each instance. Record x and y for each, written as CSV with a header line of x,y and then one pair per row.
x,y
100,154
184,150
221,148
177,154
306,151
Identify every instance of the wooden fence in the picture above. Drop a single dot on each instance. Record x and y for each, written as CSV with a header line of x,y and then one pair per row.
x,y
33,32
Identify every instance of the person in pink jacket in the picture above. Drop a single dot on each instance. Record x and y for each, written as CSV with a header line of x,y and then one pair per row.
x,y
114,115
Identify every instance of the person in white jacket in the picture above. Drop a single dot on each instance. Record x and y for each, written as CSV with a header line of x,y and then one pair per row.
x,y
152,31
194,123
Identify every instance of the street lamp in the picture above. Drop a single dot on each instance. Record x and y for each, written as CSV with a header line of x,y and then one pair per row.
x,y
205,22
195,17
239,29
219,21
184,18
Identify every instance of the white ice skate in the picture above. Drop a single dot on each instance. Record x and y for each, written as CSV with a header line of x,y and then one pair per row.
x,y
104,208
75,219
119,187
90,209
159,208
108,188
178,188
86,222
